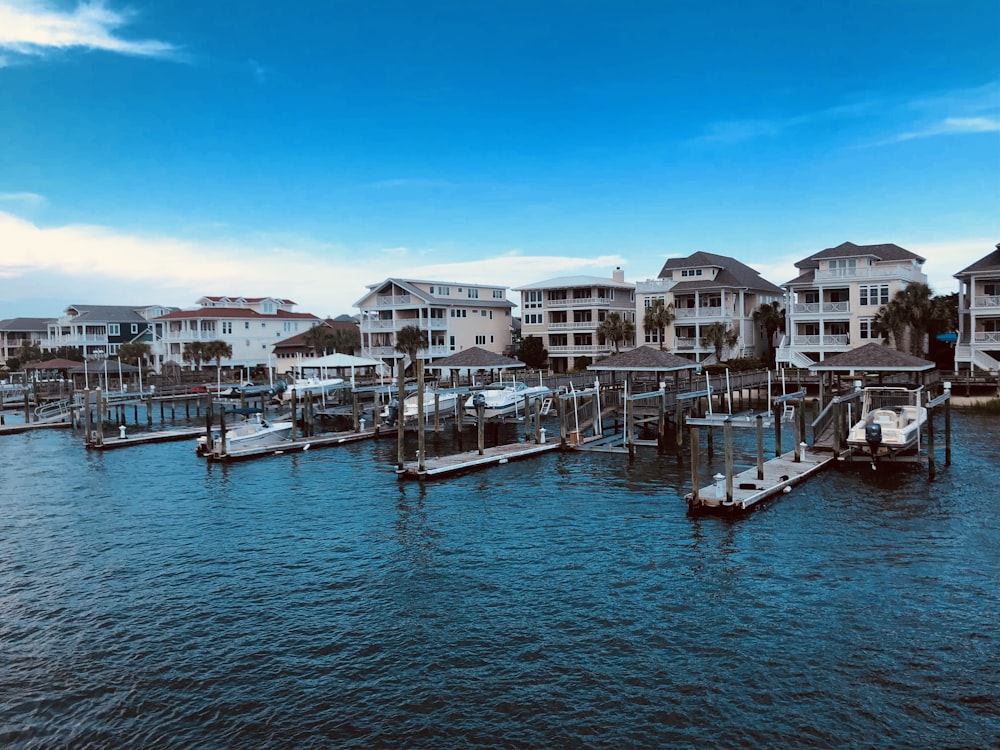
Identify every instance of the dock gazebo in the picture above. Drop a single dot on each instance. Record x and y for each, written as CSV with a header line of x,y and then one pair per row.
x,y
870,359
647,359
474,359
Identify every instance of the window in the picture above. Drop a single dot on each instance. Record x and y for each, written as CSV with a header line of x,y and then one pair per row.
x,y
473,294
691,272
246,324
227,326
875,294
498,294
443,291
866,328
533,319
114,329
991,290
458,313
480,341
533,298
135,328
843,264
451,343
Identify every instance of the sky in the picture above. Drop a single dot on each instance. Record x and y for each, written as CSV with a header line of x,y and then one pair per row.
x,y
156,152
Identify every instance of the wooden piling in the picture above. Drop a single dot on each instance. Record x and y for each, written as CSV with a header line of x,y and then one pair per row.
x,y
727,431
760,446
401,392
421,432
695,468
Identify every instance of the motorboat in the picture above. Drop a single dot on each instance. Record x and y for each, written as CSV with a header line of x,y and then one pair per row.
x,y
503,399
890,423
254,431
300,387
446,401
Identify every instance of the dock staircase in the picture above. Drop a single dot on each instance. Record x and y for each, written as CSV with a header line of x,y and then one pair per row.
x,y
54,411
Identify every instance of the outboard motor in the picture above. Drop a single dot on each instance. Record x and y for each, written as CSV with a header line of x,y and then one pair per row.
x,y
873,436
393,412
479,399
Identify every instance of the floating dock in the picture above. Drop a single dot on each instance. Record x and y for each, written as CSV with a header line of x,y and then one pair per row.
x,y
457,463
145,438
298,445
750,487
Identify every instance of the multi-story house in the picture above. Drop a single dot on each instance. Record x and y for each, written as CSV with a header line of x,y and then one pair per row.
x,y
294,353
455,316
250,325
705,289
566,311
99,330
979,314
17,331
831,306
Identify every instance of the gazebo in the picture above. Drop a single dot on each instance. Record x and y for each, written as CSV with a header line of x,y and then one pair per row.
x,y
647,359
869,359
342,362
475,358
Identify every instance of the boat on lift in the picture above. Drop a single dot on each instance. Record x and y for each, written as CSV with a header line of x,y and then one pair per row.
x,y
254,431
890,423
504,398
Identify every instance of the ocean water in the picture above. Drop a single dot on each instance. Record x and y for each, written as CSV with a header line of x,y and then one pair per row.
x,y
150,600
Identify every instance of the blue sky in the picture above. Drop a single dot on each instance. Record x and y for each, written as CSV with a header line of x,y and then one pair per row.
x,y
155,152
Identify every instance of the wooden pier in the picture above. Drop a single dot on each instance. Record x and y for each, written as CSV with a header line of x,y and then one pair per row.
x,y
123,440
457,463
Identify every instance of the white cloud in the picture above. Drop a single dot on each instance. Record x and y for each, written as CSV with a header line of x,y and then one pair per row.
x,y
26,199
951,126
33,27
43,269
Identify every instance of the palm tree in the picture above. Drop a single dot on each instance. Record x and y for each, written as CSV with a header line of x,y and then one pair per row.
x,y
134,353
345,342
218,350
319,338
194,352
919,307
410,340
657,317
616,330
719,337
771,317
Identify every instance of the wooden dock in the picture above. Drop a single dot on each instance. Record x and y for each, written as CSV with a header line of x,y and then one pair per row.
x,y
750,487
298,445
457,463
145,438
11,429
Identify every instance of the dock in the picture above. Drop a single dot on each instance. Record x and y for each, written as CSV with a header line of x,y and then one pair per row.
x,y
751,486
144,438
457,463
297,445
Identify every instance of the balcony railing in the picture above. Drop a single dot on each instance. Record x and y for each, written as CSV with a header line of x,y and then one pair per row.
x,y
588,349
391,353
581,302
393,300
905,273
700,312
816,308
826,339
988,301
987,337
588,325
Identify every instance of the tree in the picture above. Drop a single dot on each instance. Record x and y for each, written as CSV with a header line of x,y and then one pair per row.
x,y
410,340
616,330
770,316
532,353
657,317
345,341
194,352
718,336
218,350
319,338
135,353
73,353
911,310
28,352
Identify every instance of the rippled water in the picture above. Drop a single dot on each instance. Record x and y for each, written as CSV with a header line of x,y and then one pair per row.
x,y
313,600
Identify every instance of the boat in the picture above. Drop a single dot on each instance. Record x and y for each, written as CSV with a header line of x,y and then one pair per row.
x,y
446,401
503,399
253,432
890,423
299,387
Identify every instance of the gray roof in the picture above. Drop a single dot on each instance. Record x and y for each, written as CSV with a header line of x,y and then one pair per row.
x,y
873,358
644,359
26,324
409,286
101,313
987,263
478,359
886,251
569,282
732,274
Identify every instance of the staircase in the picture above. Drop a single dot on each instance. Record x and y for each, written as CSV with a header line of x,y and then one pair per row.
x,y
982,360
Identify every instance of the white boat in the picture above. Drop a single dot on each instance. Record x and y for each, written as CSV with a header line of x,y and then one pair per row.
x,y
312,385
446,401
253,432
890,423
505,398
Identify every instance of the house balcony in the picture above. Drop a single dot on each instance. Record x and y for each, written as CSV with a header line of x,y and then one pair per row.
x,y
589,325
393,300
902,272
591,350
688,313
389,352
817,339
986,337
990,302
581,302
820,308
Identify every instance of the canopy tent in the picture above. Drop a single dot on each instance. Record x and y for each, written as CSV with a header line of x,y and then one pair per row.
x,y
338,361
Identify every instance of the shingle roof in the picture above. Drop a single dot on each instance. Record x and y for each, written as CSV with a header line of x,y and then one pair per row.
x,y
732,273
235,312
645,359
102,313
990,262
886,251
873,358
568,282
475,357
26,324
409,286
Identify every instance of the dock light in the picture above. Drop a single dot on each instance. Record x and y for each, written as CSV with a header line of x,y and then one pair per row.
x,y
719,478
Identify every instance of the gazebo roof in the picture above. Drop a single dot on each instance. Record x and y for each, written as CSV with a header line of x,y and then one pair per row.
x,y
341,360
873,358
476,358
54,364
645,359
113,366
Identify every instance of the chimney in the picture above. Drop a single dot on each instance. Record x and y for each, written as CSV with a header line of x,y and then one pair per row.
x,y
618,275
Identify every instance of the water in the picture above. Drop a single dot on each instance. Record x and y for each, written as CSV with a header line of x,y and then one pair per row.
x,y
148,599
